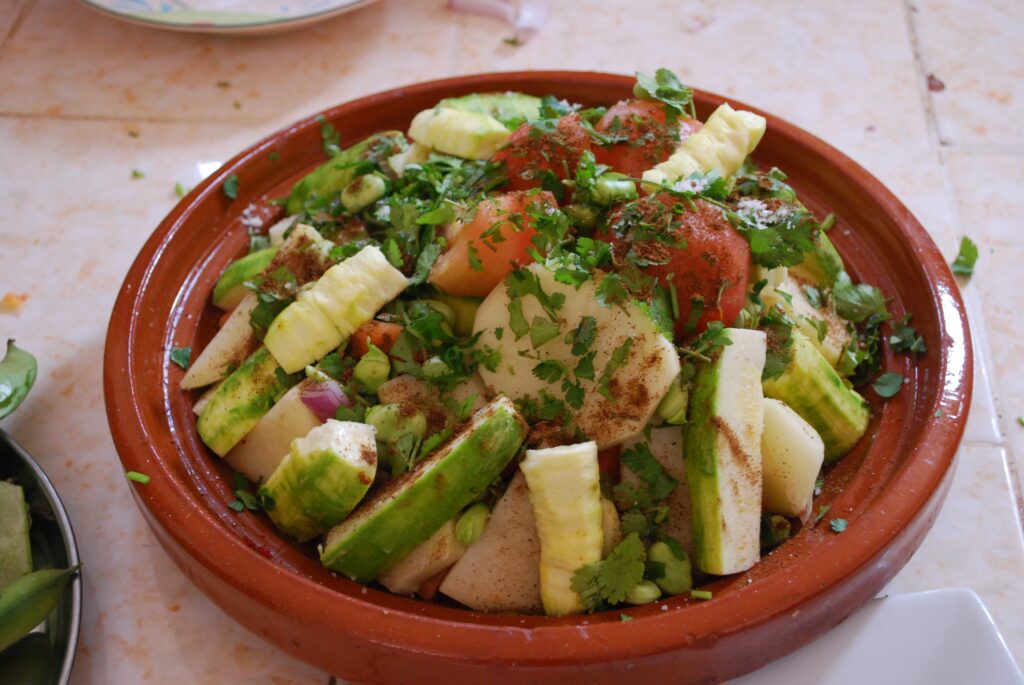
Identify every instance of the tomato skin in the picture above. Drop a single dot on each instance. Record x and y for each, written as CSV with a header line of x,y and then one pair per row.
x,y
498,256
529,153
711,259
380,334
651,140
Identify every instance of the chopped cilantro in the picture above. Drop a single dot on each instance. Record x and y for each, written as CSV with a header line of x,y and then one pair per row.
x,y
574,394
583,335
512,40
274,156
625,617
137,477
888,384
137,174
474,260
666,87
181,356
966,258
905,339
516,321
704,595
585,367
612,290
330,137
523,282
617,359
230,186
180,190
838,525
822,511
856,302
641,461
542,330
1020,420
608,581
550,370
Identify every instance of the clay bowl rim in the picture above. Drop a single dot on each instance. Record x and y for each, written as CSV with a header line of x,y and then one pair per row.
x,y
415,626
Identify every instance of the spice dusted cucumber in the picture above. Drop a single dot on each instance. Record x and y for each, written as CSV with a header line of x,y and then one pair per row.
x,y
430,557
812,388
565,492
232,344
242,400
15,548
726,139
410,508
723,455
457,132
321,318
230,288
330,178
792,453
822,264
322,479
822,326
511,109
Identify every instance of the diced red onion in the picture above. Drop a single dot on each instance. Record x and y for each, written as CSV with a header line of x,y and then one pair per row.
x,y
323,398
526,16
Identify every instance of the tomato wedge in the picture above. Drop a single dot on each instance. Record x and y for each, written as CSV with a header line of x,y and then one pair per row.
x,y
532,152
489,245
650,139
700,254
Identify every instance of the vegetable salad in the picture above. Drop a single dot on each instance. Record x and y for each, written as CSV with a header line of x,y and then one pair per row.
x,y
535,357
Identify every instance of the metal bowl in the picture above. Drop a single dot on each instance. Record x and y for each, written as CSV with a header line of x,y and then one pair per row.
x,y
47,655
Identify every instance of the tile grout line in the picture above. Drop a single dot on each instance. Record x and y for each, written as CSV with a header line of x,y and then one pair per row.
x,y
18,21
103,118
941,148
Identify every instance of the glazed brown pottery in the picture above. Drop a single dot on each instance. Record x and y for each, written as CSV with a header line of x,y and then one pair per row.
x,y
889,488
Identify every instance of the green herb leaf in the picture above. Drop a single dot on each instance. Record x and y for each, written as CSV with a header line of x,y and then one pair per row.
x,y
856,302
700,594
181,356
17,374
888,384
180,190
641,461
330,137
838,525
608,581
625,617
665,87
617,359
230,186
966,258
905,339
137,174
550,370
137,477
542,330
583,335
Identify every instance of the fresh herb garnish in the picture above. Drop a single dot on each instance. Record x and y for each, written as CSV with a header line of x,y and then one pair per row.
x,y
137,174
618,358
704,595
838,525
905,339
17,375
137,477
608,581
181,356
966,258
230,186
666,88
330,137
856,302
888,384
641,461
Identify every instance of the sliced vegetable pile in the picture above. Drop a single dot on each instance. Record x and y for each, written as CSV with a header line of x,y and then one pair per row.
x,y
539,357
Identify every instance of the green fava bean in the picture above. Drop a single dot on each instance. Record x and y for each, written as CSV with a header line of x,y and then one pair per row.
x,y
677,577
470,525
645,592
27,602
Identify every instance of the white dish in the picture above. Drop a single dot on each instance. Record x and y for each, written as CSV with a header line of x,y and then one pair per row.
x,y
234,17
942,637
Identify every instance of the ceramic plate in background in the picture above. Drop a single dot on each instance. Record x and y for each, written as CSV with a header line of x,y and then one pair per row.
x,y
235,17
45,656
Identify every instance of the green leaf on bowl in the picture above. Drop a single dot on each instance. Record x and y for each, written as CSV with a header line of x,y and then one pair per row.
x,y
17,374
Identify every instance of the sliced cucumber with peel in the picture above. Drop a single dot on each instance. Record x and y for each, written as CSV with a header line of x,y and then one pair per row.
x,y
321,318
390,524
721,145
812,388
322,478
565,492
723,455
230,288
241,400
461,133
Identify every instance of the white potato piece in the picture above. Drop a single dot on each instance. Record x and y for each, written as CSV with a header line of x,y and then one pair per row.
x,y
231,345
636,386
792,453
430,557
266,445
